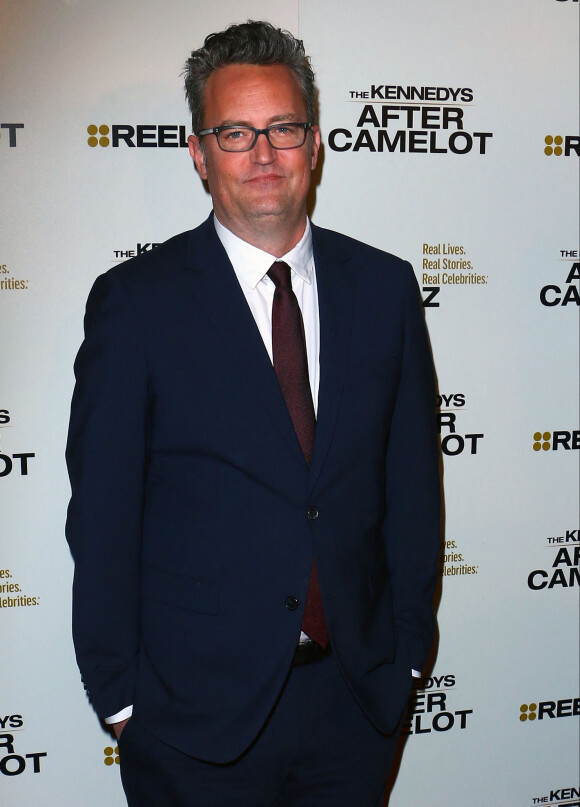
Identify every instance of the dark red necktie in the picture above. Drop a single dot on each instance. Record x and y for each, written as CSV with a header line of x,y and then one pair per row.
x,y
291,367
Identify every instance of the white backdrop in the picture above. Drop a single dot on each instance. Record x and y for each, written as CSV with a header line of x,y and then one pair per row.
x,y
405,87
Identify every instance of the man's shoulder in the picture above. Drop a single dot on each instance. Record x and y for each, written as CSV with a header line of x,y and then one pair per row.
x,y
163,261
340,247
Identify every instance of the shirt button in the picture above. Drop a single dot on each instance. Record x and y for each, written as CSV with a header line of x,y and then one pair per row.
x,y
312,512
291,602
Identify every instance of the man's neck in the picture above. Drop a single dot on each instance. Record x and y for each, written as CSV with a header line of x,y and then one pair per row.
x,y
273,239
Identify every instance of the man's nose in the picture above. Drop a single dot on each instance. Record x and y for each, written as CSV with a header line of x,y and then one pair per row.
x,y
263,153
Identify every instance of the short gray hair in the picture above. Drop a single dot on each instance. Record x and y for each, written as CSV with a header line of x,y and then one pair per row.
x,y
247,43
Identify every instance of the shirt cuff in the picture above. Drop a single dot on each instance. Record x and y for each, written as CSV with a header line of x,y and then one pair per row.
x,y
122,715
414,673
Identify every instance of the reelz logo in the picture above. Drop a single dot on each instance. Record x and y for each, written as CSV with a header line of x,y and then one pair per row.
x,y
565,569
452,443
140,136
139,249
560,794
7,464
560,438
12,128
565,707
552,295
11,763
428,709
418,128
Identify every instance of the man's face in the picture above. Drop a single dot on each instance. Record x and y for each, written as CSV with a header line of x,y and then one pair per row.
x,y
262,189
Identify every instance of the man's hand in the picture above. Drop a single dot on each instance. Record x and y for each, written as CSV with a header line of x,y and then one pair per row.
x,y
118,727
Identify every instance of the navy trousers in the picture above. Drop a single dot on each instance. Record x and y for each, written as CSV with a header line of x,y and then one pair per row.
x,y
317,749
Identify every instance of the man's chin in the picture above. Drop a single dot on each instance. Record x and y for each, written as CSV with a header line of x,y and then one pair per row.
x,y
266,211
265,204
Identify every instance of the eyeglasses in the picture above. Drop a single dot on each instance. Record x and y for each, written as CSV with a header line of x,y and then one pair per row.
x,y
243,138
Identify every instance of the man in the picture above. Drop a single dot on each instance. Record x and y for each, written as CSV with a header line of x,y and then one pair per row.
x,y
254,468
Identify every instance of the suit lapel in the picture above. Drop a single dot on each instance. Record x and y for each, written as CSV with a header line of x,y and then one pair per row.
x,y
336,284
218,292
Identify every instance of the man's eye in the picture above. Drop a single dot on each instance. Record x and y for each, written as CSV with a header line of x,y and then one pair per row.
x,y
282,129
235,134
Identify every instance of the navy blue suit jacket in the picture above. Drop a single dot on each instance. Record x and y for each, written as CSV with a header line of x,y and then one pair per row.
x,y
188,519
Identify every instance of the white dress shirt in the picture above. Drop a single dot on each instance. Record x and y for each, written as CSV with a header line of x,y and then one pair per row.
x,y
251,266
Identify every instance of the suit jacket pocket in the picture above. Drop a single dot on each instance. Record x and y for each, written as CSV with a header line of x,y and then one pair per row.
x,y
181,590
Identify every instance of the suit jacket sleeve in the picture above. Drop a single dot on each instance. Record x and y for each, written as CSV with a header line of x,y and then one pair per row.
x,y
107,456
412,524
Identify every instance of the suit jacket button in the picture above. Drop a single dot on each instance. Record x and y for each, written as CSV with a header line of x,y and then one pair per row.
x,y
312,512
291,602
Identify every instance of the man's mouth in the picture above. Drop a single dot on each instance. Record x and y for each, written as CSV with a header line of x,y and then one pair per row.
x,y
264,179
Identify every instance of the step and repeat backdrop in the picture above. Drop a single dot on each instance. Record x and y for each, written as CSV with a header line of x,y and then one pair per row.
x,y
451,138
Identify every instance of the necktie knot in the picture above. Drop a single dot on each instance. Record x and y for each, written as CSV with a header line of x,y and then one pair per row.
x,y
279,274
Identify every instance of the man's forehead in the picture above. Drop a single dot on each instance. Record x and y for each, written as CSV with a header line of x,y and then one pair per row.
x,y
238,93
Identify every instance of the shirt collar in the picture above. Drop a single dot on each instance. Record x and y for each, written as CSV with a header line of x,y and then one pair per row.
x,y
251,264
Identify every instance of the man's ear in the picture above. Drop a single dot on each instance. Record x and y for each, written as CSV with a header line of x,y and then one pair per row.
x,y
315,131
197,155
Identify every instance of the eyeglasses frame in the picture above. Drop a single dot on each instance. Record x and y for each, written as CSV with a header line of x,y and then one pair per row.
x,y
257,132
